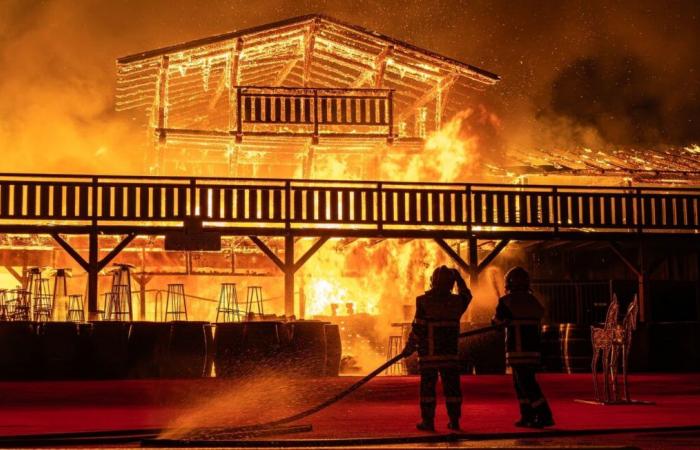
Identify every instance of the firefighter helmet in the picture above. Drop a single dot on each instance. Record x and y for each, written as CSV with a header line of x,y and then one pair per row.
x,y
517,279
442,279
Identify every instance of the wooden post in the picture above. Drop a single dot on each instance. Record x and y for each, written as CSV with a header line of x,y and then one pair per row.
x,y
93,276
288,275
473,263
642,286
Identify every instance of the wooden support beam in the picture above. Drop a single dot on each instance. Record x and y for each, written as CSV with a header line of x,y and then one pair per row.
x,y
491,256
310,252
453,254
15,274
309,42
289,275
286,70
444,87
71,251
115,251
428,96
630,264
375,75
269,253
234,80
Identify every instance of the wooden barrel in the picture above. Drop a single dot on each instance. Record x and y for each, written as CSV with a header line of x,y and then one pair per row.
x,y
307,348
334,350
551,348
19,358
186,355
109,349
211,349
229,344
148,343
575,347
264,342
59,349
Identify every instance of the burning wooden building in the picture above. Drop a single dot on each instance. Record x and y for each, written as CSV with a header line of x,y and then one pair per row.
x,y
290,99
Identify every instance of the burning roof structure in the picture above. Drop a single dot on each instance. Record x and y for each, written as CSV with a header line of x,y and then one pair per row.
x,y
227,100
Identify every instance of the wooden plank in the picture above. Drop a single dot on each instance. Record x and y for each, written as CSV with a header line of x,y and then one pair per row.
x,y
435,206
389,203
228,204
215,203
45,196
448,201
477,217
297,196
118,202
532,206
265,204
412,206
345,206
4,200
253,195
607,210
240,204
500,207
575,210
247,109
488,208
106,201
277,204
17,199
131,202
357,206
157,202
460,198
143,201
424,208
181,201
30,199
544,203
369,206
564,209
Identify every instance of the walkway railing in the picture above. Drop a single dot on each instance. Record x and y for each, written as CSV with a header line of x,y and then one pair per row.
x,y
274,206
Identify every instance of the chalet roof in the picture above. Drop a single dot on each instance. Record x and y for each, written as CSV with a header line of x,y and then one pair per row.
x,y
366,43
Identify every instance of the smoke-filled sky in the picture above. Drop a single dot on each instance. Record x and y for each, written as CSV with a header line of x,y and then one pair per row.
x,y
590,72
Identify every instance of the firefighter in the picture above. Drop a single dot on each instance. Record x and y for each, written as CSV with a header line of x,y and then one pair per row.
x,y
435,334
520,313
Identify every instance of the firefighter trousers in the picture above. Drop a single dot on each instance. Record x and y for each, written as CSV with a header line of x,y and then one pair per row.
x,y
451,388
530,396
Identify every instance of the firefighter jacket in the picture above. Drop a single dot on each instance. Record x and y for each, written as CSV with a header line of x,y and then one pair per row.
x,y
521,313
435,330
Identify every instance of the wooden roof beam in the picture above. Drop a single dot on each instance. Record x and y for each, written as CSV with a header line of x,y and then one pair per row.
x,y
377,74
309,41
232,76
429,96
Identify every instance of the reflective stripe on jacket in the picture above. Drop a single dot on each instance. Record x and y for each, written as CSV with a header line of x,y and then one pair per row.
x,y
521,312
435,330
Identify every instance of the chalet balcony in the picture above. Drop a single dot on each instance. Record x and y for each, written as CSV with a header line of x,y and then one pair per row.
x,y
302,112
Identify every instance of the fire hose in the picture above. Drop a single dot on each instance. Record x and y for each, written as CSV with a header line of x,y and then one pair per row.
x,y
325,404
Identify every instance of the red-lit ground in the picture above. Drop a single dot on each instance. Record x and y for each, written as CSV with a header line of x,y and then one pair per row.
x,y
387,406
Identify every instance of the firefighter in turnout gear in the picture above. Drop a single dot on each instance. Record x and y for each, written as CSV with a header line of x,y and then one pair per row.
x,y
435,334
520,313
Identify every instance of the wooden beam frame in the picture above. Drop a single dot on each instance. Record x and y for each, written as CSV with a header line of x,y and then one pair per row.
x,y
15,274
309,42
473,267
376,75
426,98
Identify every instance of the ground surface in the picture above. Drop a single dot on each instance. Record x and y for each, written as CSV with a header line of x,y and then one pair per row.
x,y
386,407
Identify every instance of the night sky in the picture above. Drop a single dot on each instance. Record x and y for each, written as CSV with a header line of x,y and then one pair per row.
x,y
594,73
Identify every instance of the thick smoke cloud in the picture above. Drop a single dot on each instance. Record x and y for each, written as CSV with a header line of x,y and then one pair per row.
x,y
574,73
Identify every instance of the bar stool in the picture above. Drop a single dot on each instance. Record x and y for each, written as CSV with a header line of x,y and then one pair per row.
x,y
395,347
60,291
18,305
253,300
120,292
175,304
76,313
3,306
41,298
228,304
118,303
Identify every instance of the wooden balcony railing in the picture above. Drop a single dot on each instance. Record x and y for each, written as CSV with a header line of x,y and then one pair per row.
x,y
314,112
35,202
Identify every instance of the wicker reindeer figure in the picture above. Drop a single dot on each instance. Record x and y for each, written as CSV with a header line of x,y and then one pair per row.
x,y
602,338
621,346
